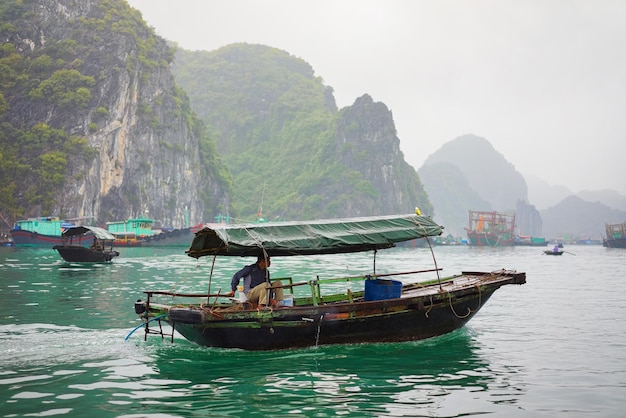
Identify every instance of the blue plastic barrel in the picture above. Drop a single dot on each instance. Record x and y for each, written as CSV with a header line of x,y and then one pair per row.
x,y
380,289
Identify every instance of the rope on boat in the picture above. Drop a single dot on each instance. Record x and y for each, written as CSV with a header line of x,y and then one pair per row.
x,y
469,311
430,307
143,324
319,328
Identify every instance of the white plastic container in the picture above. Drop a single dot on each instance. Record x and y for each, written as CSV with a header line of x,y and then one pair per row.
x,y
241,296
287,300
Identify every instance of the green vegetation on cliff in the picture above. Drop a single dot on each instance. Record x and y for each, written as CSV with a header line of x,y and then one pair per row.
x,y
69,75
289,149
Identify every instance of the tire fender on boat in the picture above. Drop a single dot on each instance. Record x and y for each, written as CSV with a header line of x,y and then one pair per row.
x,y
186,316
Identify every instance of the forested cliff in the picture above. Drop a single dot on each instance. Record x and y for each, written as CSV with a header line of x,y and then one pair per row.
x,y
92,123
291,152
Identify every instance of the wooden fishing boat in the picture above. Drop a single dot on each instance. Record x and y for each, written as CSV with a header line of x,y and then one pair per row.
x,y
384,309
490,228
615,236
44,231
74,249
552,252
131,232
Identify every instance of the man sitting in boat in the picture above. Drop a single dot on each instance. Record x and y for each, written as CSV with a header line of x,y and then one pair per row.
x,y
96,245
256,280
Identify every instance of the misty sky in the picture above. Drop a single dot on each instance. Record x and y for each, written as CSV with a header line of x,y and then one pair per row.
x,y
543,80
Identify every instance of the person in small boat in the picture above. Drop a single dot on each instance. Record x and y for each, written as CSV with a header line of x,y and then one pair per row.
x,y
97,245
255,284
556,248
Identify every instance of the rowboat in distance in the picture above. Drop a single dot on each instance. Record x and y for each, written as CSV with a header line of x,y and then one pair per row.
x,y
375,307
73,248
553,252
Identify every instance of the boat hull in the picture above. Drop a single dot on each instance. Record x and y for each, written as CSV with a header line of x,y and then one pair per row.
x,y
175,238
29,238
483,239
614,243
128,242
322,327
421,312
80,254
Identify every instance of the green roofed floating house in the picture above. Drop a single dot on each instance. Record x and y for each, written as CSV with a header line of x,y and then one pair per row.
x,y
381,308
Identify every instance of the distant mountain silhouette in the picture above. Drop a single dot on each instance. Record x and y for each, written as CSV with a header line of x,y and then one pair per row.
x,y
466,174
451,196
575,218
545,195
487,171
611,198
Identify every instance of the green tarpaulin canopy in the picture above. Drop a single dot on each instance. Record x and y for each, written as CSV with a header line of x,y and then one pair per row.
x,y
312,237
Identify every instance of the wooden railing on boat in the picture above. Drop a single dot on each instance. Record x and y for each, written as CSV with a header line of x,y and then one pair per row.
x,y
316,294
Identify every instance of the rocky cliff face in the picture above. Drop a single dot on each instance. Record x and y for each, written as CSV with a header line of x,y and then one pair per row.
x,y
368,145
291,152
146,139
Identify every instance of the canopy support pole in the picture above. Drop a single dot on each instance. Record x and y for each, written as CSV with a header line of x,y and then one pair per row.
x,y
435,261
375,251
208,299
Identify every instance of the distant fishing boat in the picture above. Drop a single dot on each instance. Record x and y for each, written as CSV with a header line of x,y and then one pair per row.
x,y
131,232
615,236
553,252
530,241
491,228
43,231
135,232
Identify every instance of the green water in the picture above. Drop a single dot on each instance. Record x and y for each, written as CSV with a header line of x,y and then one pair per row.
x,y
555,346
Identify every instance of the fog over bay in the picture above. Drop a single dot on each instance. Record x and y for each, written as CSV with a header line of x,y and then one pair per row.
x,y
544,81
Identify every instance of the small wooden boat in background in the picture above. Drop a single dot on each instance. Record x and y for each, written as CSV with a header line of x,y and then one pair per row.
x,y
74,250
552,252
